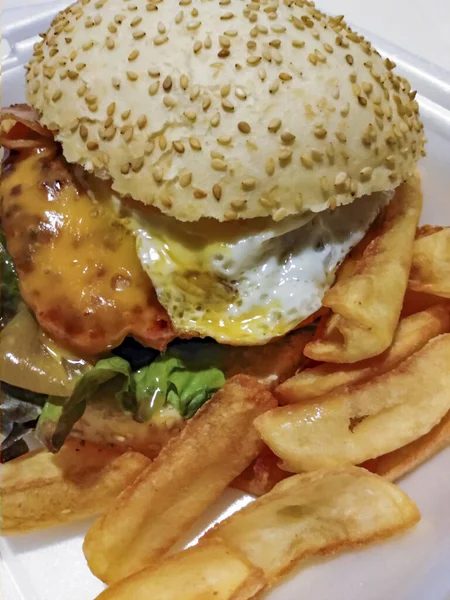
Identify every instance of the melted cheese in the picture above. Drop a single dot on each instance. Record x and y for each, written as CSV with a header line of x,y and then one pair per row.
x,y
76,260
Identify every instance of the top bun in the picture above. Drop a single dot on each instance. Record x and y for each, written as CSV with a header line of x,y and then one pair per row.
x,y
222,108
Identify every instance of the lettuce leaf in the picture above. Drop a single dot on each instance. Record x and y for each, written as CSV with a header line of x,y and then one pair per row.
x,y
185,377
10,293
59,414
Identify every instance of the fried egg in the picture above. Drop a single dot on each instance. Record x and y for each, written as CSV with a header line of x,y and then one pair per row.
x,y
246,282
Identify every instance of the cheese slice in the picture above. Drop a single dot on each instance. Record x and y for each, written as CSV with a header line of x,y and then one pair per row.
x,y
76,259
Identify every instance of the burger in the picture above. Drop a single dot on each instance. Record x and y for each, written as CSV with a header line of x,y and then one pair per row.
x,y
178,195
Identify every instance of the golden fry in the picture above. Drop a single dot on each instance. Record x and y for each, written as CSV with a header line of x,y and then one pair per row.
x,y
396,464
207,571
430,271
216,445
316,513
412,334
367,299
355,424
415,302
41,489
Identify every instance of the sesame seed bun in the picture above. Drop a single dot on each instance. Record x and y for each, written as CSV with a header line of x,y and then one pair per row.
x,y
223,109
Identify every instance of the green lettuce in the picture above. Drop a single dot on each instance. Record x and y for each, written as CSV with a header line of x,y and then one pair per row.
x,y
10,293
59,414
181,377
184,377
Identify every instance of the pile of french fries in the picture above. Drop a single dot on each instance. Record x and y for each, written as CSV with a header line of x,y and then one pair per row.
x,y
365,401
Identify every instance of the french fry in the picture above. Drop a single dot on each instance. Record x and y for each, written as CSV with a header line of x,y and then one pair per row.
x,y
396,464
315,513
207,571
415,302
41,489
367,298
312,514
262,475
355,424
412,334
216,445
430,270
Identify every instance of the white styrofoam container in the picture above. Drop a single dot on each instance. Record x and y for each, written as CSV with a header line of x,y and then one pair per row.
x,y
50,565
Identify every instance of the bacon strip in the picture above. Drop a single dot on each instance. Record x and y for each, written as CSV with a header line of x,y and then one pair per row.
x,y
25,131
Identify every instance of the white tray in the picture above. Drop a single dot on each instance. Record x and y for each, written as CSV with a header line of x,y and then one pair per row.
x,y
51,566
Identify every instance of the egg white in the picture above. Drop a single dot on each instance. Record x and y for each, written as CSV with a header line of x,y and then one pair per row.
x,y
247,282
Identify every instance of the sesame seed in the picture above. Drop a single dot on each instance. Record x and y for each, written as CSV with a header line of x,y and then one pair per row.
x,y
215,120
298,43
74,124
157,174
92,146
284,157
224,41
270,166
91,99
240,93
84,132
162,142
190,115
200,194
219,164
195,143
133,55
184,82
142,121
366,174
195,92
227,16
306,161
116,82
167,84
340,183
287,137
253,60
169,101
225,90
132,76
227,105
249,184
262,74
244,127
185,179
57,95
208,42
206,102
274,125
160,39
125,169
154,87
217,191
138,35
178,147
197,46
274,86
238,204
340,135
